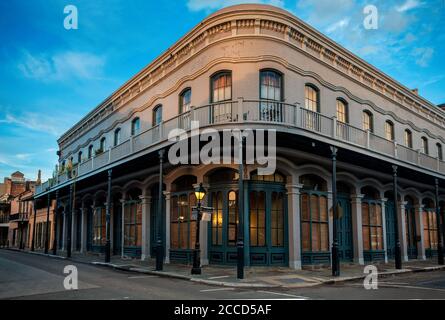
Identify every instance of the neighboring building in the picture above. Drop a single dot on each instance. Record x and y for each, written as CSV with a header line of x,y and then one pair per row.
x,y
21,210
257,67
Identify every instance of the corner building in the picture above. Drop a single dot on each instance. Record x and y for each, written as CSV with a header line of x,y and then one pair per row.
x,y
258,67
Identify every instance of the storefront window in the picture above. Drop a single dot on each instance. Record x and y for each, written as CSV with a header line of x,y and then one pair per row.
x,y
429,229
217,219
277,219
257,218
99,227
133,224
232,223
182,224
314,220
372,226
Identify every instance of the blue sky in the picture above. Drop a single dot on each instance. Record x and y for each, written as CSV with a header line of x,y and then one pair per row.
x,y
50,77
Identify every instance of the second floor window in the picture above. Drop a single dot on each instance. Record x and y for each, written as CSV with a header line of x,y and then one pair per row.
x,y
408,138
135,126
157,115
185,100
367,121
311,98
342,111
103,144
117,137
424,145
270,85
221,86
389,130
90,151
439,151
79,157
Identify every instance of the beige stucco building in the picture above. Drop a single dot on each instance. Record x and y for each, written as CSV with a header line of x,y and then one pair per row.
x,y
255,67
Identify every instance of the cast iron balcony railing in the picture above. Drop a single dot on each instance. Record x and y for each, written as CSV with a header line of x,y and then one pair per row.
x,y
274,114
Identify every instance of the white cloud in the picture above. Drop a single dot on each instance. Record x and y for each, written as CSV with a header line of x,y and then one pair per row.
x,y
338,25
36,122
62,66
198,5
423,55
408,5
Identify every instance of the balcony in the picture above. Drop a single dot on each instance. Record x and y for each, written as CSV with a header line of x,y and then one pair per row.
x,y
17,217
255,113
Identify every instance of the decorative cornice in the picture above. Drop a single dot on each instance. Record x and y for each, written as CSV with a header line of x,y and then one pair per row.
x,y
283,26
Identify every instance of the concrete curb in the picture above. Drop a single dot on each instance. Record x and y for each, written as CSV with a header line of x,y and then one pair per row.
x,y
37,253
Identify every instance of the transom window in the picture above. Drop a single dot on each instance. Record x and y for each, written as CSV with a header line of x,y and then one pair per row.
x,y
270,85
408,138
342,114
367,121
185,100
311,101
221,86
389,130
135,126
157,115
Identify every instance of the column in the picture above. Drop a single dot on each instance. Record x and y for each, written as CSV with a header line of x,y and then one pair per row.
x,y
73,230
330,222
402,230
167,225
357,226
83,241
294,227
419,232
123,227
146,204
383,202
65,217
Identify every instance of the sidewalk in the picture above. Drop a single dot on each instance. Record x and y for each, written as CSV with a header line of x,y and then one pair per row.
x,y
255,277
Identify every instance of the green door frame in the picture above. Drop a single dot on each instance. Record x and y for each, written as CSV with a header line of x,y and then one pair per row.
x,y
346,249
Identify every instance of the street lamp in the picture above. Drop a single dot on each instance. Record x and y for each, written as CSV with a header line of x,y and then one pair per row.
x,y
199,194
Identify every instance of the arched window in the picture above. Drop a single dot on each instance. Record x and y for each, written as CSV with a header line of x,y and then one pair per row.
x,y
389,130
157,115
135,126
408,138
103,144
368,123
221,87
372,220
185,100
439,151
425,145
79,157
429,226
117,136
271,89
312,98
342,111
271,85
90,151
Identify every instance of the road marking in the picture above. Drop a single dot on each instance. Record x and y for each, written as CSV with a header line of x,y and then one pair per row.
x,y
219,289
142,277
285,294
219,277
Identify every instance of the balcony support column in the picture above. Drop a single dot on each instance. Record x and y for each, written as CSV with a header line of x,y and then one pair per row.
x,y
68,223
47,229
33,244
108,218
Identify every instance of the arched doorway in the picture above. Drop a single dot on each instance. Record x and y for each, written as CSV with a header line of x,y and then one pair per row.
x,y
266,218
372,225
390,222
344,226
410,227
314,220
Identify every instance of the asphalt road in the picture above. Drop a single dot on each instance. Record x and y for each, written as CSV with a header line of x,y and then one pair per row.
x,y
27,276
